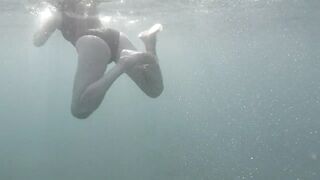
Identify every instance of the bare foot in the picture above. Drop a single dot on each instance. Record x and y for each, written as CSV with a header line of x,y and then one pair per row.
x,y
150,36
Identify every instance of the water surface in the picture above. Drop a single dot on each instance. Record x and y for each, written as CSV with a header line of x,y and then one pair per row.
x,y
241,97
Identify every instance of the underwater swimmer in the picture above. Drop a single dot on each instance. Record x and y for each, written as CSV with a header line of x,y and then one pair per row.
x,y
97,47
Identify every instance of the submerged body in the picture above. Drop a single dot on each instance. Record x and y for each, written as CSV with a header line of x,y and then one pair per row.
x,y
98,46
74,27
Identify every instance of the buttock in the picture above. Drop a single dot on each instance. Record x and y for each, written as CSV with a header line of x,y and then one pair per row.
x,y
110,36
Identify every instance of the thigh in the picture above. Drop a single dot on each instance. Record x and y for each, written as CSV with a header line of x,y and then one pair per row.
x,y
93,57
125,43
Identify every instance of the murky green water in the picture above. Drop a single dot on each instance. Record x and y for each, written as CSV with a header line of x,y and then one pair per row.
x,y
241,99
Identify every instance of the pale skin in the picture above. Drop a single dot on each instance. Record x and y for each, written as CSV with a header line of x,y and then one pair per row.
x,y
92,79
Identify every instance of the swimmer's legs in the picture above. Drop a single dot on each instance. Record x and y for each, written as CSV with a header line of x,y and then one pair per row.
x,y
91,82
147,76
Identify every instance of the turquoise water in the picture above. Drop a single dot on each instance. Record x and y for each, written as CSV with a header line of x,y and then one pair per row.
x,y
241,98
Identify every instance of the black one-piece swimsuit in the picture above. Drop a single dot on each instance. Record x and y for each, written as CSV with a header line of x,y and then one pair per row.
x,y
73,28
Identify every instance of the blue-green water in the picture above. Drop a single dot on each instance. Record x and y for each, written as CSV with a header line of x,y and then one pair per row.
x,y
241,98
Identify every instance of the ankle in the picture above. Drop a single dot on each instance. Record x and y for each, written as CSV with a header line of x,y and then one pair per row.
x,y
150,47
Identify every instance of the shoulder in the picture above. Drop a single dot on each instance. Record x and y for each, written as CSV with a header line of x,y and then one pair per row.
x,y
54,19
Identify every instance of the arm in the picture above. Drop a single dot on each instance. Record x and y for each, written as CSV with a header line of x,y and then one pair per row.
x,y
51,23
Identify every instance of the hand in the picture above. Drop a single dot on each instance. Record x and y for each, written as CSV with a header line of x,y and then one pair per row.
x,y
131,59
39,39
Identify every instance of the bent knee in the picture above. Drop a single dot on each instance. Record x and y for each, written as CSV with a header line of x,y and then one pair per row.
x,y
80,113
154,93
